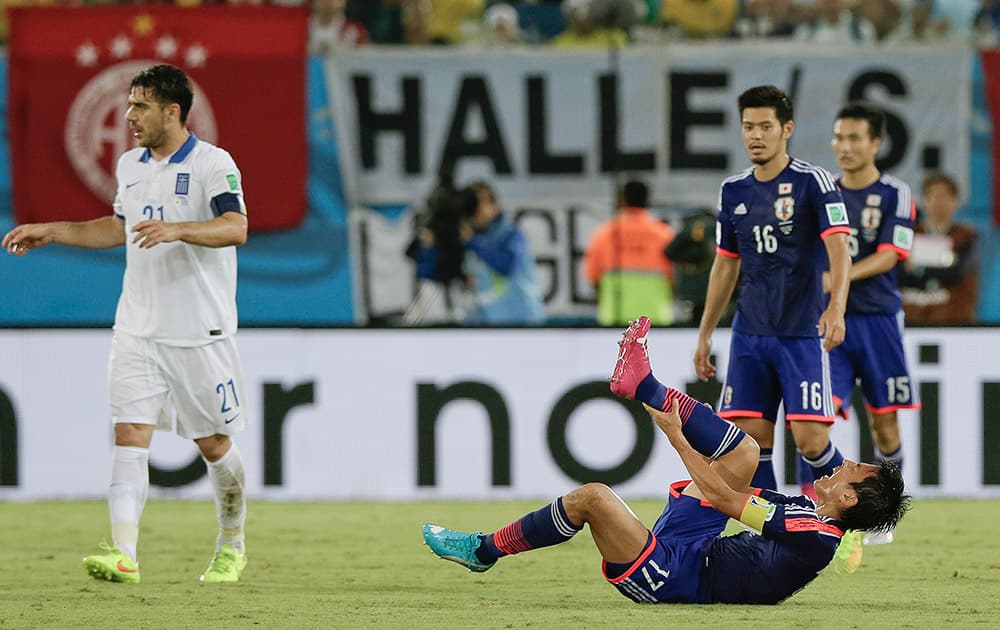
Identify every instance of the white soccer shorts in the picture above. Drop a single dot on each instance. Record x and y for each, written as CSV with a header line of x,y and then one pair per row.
x,y
147,381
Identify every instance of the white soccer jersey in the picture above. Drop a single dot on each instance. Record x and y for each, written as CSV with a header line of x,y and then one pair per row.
x,y
177,293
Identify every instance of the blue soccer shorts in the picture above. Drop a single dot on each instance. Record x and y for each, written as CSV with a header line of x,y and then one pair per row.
x,y
765,371
872,353
669,568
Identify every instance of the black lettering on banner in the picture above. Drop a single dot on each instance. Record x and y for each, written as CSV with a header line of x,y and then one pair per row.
x,y
278,402
991,434
431,399
176,477
474,94
8,441
896,135
930,413
540,160
613,158
559,446
577,247
682,118
407,120
546,266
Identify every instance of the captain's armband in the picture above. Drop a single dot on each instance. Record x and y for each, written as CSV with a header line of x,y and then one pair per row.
x,y
756,512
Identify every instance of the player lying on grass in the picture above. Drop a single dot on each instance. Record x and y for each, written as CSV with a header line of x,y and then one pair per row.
x,y
684,559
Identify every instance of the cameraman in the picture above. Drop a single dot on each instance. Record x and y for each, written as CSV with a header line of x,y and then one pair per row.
x,y
499,262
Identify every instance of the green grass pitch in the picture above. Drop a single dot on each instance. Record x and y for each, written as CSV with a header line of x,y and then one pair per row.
x,y
357,565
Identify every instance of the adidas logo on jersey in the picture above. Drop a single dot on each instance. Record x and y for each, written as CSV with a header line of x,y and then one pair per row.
x,y
740,209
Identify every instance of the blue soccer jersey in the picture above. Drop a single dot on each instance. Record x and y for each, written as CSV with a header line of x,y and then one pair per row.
x,y
776,228
795,544
881,217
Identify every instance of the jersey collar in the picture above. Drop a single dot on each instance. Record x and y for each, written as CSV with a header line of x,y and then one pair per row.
x,y
179,155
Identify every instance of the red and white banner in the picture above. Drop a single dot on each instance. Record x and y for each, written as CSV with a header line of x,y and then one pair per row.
x,y
991,76
70,69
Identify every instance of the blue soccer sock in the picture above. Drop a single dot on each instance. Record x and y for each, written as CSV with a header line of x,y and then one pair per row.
x,y
896,457
803,471
825,462
542,528
651,391
764,476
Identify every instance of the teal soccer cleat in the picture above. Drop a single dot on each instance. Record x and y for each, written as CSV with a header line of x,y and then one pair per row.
x,y
459,547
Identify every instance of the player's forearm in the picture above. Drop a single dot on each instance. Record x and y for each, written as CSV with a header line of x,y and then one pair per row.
x,y
879,262
712,485
223,231
840,269
721,284
101,233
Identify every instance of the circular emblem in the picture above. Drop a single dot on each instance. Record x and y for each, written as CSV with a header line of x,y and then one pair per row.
x,y
96,132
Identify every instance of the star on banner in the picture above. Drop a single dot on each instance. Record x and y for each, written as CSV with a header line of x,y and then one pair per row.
x,y
196,55
86,54
166,47
120,47
142,25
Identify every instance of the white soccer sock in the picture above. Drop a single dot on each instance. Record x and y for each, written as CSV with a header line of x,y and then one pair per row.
x,y
127,496
230,498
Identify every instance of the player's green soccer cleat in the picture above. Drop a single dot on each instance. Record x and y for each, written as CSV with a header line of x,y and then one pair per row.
x,y
458,547
227,566
849,553
113,566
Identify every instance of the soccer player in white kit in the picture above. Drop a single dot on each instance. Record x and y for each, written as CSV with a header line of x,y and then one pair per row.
x,y
179,211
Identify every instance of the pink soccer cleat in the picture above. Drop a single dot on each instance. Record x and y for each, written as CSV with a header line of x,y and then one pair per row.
x,y
633,360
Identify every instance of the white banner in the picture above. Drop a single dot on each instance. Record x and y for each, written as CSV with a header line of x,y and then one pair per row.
x,y
544,124
401,415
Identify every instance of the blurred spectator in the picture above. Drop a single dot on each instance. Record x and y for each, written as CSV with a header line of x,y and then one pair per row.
x,y
940,280
919,25
500,25
986,24
692,252
883,15
452,21
700,19
329,28
499,261
583,30
833,22
415,19
768,18
627,263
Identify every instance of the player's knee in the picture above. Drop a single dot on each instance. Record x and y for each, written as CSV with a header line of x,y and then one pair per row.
x,y
128,434
748,449
588,500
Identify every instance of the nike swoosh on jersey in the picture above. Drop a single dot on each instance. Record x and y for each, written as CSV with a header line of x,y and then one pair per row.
x,y
127,186
228,420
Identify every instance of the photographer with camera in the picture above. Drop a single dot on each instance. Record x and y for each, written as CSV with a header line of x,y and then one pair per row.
x,y
499,262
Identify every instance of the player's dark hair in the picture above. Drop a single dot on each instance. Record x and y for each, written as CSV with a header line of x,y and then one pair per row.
x,y
635,194
168,84
882,501
940,178
481,186
863,110
768,96
466,202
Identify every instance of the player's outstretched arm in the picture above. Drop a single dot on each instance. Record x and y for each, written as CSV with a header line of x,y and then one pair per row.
x,y
229,228
712,486
721,284
99,233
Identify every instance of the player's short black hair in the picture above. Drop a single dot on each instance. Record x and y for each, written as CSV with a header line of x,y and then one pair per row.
x,y
635,194
882,501
168,84
863,110
940,178
768,96
466,202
